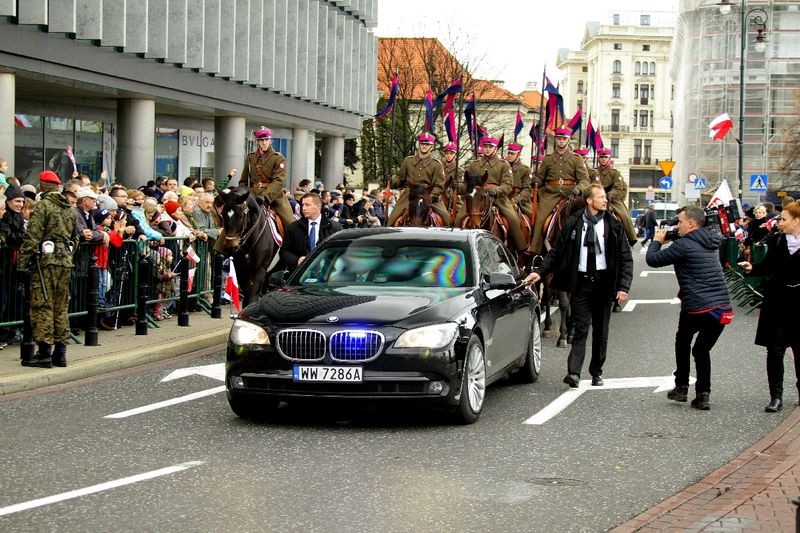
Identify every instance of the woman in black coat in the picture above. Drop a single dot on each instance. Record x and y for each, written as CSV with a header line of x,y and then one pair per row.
x,y
777,322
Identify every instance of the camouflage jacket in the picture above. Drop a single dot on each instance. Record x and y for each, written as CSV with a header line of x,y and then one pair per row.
x,y
53,219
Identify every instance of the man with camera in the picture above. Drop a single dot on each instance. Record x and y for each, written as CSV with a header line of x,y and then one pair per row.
x,y
705,305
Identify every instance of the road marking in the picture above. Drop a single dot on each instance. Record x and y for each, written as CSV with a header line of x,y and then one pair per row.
x,y
630,305
215,371
24,506
646,273
661,384
167,403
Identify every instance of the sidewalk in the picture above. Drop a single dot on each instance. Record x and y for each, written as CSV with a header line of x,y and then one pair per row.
x,y
117,350
753,492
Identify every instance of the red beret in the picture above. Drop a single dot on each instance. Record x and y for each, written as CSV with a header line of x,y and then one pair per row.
x,y
48,176
263,133
171,206
603,151
582,151
450,147
490,140
425,138
563,132
514,147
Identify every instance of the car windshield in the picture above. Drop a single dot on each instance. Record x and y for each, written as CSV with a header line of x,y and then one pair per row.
x,y
413,265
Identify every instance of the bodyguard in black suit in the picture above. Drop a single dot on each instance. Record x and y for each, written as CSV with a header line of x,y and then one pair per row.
x,y
304,234
592,261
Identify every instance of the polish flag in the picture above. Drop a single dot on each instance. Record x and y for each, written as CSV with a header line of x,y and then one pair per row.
x,y
722,197
720,126
22,121
191,254
232,288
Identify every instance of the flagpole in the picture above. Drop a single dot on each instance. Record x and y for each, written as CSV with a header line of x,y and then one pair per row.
x,y
580,130
458,124
475,123
391,136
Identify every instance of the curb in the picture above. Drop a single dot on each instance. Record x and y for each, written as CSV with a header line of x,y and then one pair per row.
x,y
95,366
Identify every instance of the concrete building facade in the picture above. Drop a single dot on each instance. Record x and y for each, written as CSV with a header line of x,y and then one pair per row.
x,y
157,87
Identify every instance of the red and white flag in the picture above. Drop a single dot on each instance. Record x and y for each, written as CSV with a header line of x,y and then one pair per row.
x,y
71,156
232,288
722,196
191,254
720,127
22,121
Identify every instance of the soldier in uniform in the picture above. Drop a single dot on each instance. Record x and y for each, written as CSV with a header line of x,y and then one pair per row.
x,y
46,257
264,172
617,191
584,153
452,178
499,184
420,168
562,174
521,176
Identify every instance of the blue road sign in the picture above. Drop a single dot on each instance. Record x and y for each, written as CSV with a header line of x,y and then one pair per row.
x,y
700,184
665,182
758,182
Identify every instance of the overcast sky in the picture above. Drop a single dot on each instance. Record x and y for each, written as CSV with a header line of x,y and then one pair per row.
x,y
509,40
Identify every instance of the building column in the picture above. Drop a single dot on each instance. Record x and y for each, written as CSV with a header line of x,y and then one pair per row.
x,y
7,107
299,164
229,146
332,161
136,141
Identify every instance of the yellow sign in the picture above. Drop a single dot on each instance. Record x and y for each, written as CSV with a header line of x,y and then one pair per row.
x,y
781,194
666,166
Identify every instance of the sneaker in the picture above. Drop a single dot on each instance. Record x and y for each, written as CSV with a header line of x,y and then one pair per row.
x,y
701,401
680,393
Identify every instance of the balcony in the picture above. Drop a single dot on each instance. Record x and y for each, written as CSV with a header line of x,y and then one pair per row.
x,y
615,127
644,101
640,161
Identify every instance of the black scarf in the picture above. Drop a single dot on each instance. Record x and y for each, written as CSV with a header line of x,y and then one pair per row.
x,y
590,239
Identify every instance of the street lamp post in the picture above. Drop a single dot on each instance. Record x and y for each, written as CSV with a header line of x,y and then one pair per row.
x,y
758,18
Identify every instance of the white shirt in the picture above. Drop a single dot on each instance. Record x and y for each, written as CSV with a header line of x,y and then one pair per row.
x,y
600,255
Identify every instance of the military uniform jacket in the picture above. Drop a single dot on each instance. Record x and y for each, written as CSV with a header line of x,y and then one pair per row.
x,y
499,173
264,173
452,174
568,168
613,183
52,220
521,177
425,170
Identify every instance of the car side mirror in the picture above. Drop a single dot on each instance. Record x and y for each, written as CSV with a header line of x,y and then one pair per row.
x,y
279,278
502,280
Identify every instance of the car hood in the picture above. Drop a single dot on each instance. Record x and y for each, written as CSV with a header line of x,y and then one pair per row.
x,y
351,305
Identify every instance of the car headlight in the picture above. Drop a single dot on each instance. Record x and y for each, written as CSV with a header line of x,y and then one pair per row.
x,y
243,332
433,337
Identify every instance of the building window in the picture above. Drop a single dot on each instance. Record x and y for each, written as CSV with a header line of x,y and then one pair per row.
x,y
637,149
635,118
615,89
637,68
644,20
58,133
617,66
636,90
671,120
584,69
644,69
645,48
614,147
643,119
648,148
616,19
167,152
580,87
580,103
652,122
652,68
615,120
645,92
617,46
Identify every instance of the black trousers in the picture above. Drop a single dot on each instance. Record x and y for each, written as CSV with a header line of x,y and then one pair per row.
x,y
775,354
590,306
708,329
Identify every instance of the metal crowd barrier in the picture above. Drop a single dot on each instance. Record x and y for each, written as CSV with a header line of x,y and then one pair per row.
x,y
132,266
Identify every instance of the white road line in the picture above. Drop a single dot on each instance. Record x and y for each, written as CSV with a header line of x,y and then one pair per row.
x,y
167,403
555,407
646,273
24,506
630,305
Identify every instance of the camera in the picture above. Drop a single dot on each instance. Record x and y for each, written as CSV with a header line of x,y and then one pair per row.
x,y
719,219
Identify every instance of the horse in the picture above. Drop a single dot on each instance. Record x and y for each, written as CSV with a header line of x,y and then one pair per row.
x,y
249,239
480,209
419,213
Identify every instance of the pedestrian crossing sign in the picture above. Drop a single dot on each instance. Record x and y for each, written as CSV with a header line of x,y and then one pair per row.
x,y
700,184
758,183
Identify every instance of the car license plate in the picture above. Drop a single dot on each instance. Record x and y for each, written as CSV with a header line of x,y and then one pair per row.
x,y
338,374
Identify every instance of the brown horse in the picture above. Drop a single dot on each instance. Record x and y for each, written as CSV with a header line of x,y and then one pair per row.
x,y
480,208
419,213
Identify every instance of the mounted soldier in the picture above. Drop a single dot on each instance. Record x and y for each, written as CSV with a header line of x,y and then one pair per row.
x,y
521,176
453,176
616,190
420,169
584,153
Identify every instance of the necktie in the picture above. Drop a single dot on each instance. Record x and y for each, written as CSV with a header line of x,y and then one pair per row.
x,y
312,236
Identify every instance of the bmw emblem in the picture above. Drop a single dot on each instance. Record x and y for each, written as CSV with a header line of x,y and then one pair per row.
x,y
333,319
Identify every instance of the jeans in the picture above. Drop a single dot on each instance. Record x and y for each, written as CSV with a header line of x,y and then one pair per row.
x,y
708,329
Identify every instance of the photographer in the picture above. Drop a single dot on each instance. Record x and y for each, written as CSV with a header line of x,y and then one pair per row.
x,y
705,306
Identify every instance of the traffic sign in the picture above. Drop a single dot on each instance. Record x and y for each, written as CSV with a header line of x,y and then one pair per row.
x,y
665,182
758,182
666,166
692,178
700,184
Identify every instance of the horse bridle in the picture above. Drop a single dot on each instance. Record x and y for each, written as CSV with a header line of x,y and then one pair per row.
x,y
243,237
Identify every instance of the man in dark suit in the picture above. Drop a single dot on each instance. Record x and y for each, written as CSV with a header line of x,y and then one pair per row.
x,y
592,262
306,233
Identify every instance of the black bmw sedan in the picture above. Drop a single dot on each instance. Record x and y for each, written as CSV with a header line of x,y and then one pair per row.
x,y
417,314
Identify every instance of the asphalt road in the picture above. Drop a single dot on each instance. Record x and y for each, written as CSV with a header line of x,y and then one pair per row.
x,y
194,466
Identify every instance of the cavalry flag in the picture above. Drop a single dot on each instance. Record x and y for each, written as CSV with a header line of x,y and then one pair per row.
x,y
469,115
720,127
576,121
555,104
450,125
590,135
429,117
22,121
518,125
450,93
392,97
232,288
502,141
598,140
537,142
722,196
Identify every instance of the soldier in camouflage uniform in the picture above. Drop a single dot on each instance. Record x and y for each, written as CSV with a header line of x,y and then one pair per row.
x,y
521,175
499,184
561,174
616,190
423,169
46,257
452,178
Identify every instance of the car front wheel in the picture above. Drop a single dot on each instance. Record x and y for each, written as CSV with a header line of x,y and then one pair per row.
x,y
473,383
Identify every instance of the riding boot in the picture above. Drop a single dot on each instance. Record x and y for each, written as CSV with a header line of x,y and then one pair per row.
x,y
42,358
60,354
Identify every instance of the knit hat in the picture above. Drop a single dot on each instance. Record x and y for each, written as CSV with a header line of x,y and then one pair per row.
x,y
100,215
13,192
171,206
29,191
104,201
